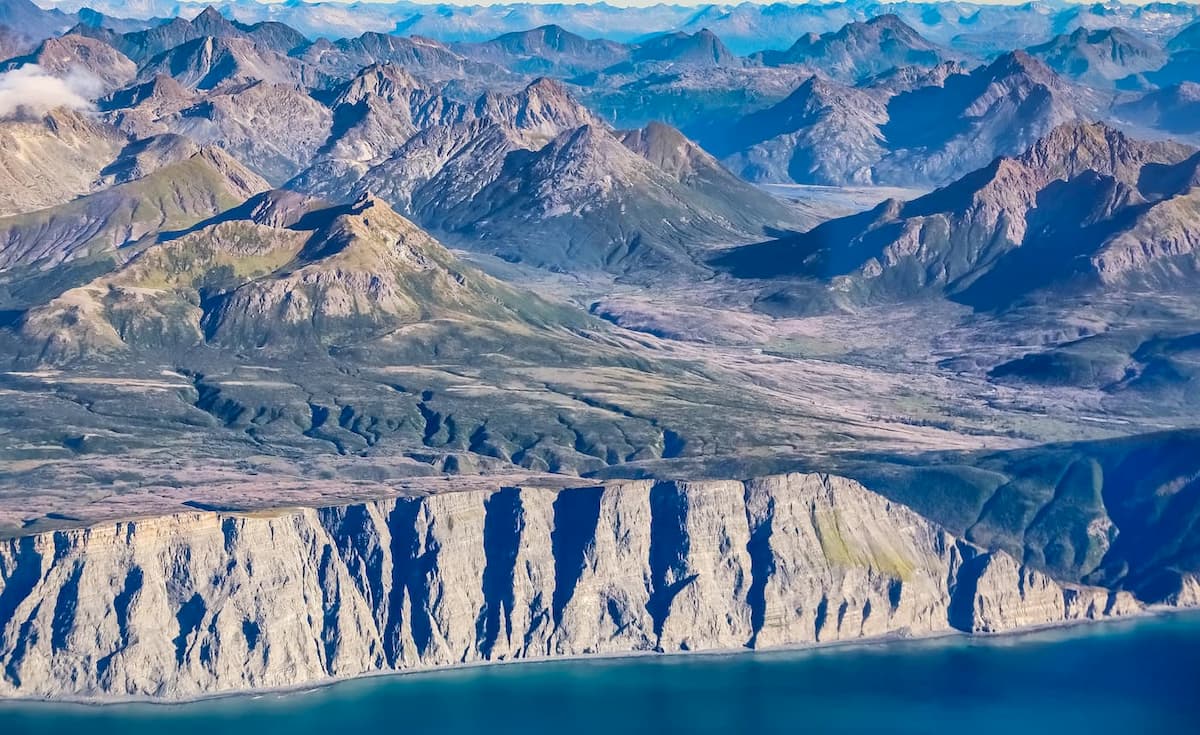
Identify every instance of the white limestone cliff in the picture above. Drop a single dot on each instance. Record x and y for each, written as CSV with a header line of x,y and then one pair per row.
x,y
198,604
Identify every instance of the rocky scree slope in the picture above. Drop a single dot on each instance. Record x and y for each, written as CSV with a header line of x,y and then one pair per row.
x,y
48,160
158,184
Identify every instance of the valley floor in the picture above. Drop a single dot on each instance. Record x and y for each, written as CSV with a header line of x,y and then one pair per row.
x,y
745,392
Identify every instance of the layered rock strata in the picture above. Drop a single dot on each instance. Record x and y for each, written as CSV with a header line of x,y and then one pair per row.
x,y
198,604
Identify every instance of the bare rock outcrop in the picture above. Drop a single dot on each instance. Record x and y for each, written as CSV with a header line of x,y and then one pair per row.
x,y
197,604
1002,595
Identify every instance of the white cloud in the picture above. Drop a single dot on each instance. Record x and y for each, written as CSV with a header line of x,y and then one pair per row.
x,y
30,90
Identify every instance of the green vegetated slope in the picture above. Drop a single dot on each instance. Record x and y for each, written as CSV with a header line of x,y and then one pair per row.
x,y
1121,512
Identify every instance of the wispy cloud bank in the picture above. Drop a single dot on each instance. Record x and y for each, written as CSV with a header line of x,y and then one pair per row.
x,y
31,91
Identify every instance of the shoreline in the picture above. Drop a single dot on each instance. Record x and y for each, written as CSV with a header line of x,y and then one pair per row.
x,y
279,693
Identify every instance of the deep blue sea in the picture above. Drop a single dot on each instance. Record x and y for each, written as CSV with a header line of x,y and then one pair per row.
x,y
1132,677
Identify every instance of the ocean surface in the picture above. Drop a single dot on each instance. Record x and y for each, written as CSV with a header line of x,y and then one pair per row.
x,y
1131,677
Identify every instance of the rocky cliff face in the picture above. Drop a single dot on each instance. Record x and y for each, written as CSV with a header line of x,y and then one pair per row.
x,y
198,604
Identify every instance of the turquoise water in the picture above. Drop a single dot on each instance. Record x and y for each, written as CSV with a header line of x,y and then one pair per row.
x,y
1139,677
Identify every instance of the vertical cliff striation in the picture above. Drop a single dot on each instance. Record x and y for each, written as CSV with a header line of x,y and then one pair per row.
x,y
198,604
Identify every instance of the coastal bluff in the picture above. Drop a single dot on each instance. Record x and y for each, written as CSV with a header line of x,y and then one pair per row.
x,y
205,603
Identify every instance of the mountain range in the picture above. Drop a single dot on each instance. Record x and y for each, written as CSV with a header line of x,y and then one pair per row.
x,y
747,28
395,118
1084,208
860,50
897,131
534,161
1100,56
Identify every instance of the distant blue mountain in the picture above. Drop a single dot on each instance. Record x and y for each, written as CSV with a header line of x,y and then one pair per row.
x,y
744,28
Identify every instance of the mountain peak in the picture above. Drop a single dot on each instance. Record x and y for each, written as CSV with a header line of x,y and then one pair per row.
x,y
996,234
887,25
891,21
369,231
210,22
537,113
1014,61
584,145
365,201
702,47
1020,64
1114,34
1101,56
1075,147
861,49
381,79
546,87
279,272
552,36
278,208
669,150
73,54
209,15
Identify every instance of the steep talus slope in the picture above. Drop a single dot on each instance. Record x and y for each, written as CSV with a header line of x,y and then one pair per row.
x,y
136,108
44,162
999,109
374,114
458,153
208,61
436,169
180,606
587,201
705,178
1085,207
274,129
79,55
394,134
279,128
538,113
823,133
184,185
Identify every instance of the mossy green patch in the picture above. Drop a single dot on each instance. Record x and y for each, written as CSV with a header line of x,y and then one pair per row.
x,y
842,547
